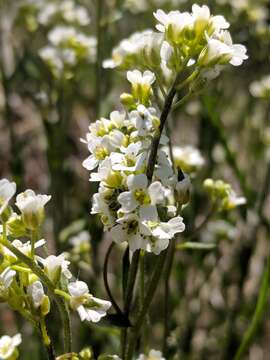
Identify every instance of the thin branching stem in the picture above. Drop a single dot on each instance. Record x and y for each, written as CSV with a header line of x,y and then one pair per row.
x,y
105,278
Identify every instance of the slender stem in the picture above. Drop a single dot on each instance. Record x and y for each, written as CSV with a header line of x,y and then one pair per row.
x,y
131,281
142,263
258,314
167,274
105,278
151,289
33,241
129,295
46,340
157,136
38,271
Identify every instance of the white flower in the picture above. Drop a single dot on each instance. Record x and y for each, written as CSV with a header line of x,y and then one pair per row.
x,y
175,20
36,292
144,120
222,51
7,190
6,278
131,228
140,194
100,148
140,43
163,232
25,248
232,201
54,266
101,207
8,346
88,307
153,355
132,158
188,158
137,77
202,17
32,207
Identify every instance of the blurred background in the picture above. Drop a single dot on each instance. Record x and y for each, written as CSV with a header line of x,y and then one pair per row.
x,y
52,86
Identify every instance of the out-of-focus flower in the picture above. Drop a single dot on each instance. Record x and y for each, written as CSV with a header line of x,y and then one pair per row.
x,y
222,194
153,355
88,307
187,158
8,347
261,88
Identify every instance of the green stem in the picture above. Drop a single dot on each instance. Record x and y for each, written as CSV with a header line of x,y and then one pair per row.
x,y
128,295
142,261
157,136
151,289
167,274
258,314
33,241
47,282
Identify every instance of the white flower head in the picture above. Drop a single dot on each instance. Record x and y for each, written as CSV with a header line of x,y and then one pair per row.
x,y
32,207
140,194
88,307
54,266
137,77
8,346
7,190
173,24
222,51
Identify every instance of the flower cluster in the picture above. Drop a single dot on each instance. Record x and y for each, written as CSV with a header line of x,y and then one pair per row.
x,y
132,207
68,46
222,195
21,284
64,24
47,13
197,40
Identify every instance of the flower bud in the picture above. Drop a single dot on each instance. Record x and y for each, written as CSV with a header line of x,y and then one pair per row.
x,y
16,226
127,100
